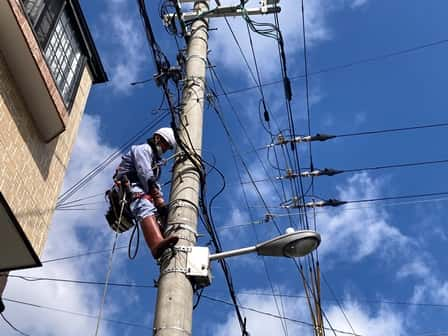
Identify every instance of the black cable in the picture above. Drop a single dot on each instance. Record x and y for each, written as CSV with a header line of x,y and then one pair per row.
x,y
392,130
78,314
257,240
338,303
11,325
190,154
443,193
136,229
132,285
80,282
81,255
392,302
273,315
371,132
354,170
347,65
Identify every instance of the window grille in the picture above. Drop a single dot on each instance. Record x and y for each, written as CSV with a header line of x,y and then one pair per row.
x,y
55,31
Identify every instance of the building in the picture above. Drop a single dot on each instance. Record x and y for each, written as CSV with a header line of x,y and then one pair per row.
x,y
48,63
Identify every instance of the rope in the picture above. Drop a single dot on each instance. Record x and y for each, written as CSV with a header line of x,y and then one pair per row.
x,y
109,271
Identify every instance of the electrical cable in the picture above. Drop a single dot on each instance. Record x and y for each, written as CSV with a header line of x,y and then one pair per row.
x,y
292,296
378,199
393,130
346,65
246,202
385,301
190,153
361,169
11,325
258,311
80,282
81,255
77,314
325,137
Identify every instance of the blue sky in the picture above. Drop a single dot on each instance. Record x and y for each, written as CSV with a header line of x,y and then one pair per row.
x,y
371,253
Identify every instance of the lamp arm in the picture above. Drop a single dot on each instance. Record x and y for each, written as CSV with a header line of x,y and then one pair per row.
x,y
233,253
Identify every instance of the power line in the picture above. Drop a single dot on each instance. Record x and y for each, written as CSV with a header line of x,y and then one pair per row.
x,y
393,130
81,255
332,172
81,282
274,315
77,314
270,215
347,65
11,325
391,302
325,137
293,296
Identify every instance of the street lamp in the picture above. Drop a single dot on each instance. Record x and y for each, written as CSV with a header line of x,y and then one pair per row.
x,y
291,244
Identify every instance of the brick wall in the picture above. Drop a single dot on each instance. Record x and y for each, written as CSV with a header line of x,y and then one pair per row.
x,y
31,171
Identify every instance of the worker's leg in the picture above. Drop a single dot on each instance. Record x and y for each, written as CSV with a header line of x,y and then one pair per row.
x,y
154,239
145,211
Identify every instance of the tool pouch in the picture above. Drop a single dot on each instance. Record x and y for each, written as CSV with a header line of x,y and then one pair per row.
x,y
117,195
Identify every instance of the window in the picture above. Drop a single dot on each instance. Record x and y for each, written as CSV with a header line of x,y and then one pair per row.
x,y
63,55
53,24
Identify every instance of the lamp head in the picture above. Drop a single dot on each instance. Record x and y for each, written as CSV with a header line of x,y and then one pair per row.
x,y
292,244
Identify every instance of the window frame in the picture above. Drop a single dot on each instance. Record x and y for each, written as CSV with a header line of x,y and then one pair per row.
x,y
45,44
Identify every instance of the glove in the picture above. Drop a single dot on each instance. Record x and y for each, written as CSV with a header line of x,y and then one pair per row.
x,y
157,196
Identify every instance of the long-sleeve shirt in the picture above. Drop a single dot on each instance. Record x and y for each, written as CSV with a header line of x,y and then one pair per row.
x,y
139,161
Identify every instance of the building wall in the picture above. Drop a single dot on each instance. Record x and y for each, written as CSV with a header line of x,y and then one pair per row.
x,y
31,171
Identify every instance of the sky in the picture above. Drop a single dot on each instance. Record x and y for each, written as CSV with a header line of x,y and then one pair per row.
x,y
383,264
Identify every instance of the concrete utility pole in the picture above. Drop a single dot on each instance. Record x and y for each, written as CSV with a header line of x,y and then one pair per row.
x,y
174,309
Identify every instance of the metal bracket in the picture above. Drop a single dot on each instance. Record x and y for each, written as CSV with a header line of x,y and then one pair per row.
x,y
224,11
156,330
174,226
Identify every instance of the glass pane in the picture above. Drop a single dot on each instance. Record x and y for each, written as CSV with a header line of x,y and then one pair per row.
x,y
64,56
34,9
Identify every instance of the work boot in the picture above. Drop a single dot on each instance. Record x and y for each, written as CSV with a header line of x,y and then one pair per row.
x,y
154,239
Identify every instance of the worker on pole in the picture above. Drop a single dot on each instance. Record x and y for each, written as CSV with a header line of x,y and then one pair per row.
x,y
140,169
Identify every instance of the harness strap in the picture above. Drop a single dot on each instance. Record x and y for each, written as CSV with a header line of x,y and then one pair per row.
x,y
143,195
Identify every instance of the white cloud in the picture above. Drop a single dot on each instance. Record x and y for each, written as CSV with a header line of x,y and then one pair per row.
x,y
415,268
262,324
364,322
71,233
383,322
358,3
358,233
125,38
316,25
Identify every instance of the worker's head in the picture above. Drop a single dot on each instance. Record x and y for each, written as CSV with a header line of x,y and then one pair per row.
x,y
164,139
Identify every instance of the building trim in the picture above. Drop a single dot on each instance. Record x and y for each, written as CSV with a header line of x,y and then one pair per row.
x,y
39,59
23,236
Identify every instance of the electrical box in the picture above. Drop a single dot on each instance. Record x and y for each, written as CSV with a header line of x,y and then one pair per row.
x,y
265,3
198,266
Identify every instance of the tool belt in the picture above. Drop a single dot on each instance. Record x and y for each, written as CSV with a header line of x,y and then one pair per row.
x,y
119,215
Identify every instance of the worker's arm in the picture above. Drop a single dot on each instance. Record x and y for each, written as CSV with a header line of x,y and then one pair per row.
x,y
143,161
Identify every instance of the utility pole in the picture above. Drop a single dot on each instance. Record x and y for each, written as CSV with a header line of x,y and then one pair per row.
x,y
174,308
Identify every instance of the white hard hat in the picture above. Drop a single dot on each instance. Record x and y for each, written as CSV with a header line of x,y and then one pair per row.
x,y
168,135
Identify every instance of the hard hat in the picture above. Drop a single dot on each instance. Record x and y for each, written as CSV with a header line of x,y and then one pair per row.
x,y
168,135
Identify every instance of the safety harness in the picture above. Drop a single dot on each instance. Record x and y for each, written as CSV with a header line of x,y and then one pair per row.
x,y
119,215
